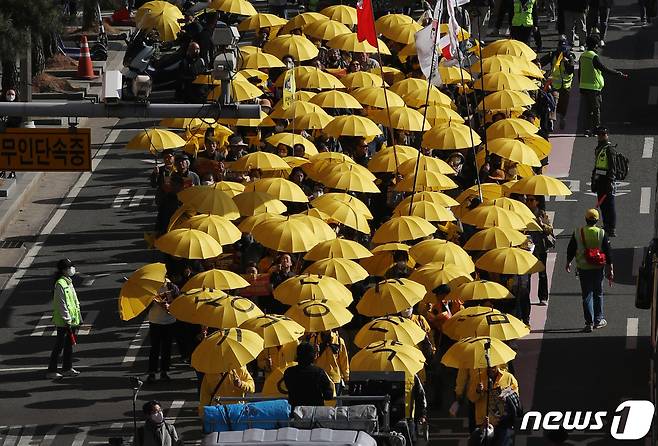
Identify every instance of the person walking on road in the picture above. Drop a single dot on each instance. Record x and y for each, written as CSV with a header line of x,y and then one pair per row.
x,y
592,82
524,20
575,16
590,246
161,332
67,318
542,240
156,431
603,181
562,62
598,16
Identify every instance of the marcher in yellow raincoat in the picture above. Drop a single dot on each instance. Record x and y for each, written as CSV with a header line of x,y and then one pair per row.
x,y
332,356
237,383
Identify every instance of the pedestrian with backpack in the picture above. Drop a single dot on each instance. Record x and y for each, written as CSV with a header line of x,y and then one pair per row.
x,y
590,246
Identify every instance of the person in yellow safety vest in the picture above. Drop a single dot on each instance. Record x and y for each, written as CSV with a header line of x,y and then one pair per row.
x,y
524,19
332,357
591,82
586,246
67,318
562,64
272,358
603,182
234,383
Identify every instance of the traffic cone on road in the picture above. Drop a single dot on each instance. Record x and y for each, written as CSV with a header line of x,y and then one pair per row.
x,y
85,68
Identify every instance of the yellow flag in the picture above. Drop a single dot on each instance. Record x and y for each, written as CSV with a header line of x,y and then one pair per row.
x,y
289,89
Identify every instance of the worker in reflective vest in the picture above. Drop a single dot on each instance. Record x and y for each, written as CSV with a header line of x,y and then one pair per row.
x,y
587,245
592,83
562,64
523,20
603,182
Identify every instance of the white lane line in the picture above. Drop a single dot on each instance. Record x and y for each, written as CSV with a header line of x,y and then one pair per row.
x,y
12,436
89,319
653,95
174,410
44,323
32,253
32,369
80,437
647,151
645,200
50,436
28,433
632,330
137,198
136,344
123,195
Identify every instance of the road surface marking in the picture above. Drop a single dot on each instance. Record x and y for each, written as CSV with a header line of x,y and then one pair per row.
x,y
44,323
174,410
50,436
653,95
123,195
573,185
647,151
89,319
645,200
80,437
136,344
12,436
32,253
562,149
28,433
632,329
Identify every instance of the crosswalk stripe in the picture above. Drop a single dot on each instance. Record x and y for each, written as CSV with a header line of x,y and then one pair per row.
x,y
136,344
26,438
50,436
43,323
122,196
89,320
174,410
12,436
80,437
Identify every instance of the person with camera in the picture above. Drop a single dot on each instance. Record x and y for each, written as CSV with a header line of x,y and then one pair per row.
x,y
156,431
562,65
590,246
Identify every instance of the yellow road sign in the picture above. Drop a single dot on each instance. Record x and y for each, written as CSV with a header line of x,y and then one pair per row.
x,y
46,150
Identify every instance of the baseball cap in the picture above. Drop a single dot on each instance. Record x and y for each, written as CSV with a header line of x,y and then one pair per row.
x,y
592,214
601,130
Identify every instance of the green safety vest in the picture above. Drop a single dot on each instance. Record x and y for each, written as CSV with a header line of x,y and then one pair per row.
x,y
72,304
593,239
602,159
590,78
523,16
559,77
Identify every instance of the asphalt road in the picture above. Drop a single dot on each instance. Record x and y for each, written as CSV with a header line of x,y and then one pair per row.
x,y
100,225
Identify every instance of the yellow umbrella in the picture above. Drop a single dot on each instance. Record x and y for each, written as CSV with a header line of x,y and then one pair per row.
x,y
226,312
248,50
511,128
426,163
454,75
484,323
374,97
249,223
469,353
350,42
337,248
262,121
165,21
345,271
319,315
317,79
240,91
409,85
275,329
517,207
437,198
264,161
495,237
285,235
280,188
155,140
499,80
318,227
437,250
140,289
347,177
401,118
325,29
388,356
452,137
335,99
404,33
153,6
354,202
341,13
219,228
509,261
487,216
274,385
490,191
238,7
403,228
184,123
382,259
296,110
210,200
441,115
351,126
407,51
389,159
313,212
197,299
290,139
322,168
260,20
418,99
314,121
479,290
509,46
391,20
540,185
312,287
230,188
260,60
301,20
499,62
225,350
465,320
257,202
189,244
541,146
505,99
299,47
363,79
439,273
425,209
217,279
303,95
428,180
390,297
389,328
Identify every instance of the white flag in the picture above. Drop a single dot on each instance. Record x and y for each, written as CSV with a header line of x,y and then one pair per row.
x,y
427,51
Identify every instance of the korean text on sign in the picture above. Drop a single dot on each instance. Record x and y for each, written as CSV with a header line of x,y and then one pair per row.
x,y
53,149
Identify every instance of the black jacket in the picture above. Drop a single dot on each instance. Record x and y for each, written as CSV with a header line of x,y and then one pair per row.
x,y
308,385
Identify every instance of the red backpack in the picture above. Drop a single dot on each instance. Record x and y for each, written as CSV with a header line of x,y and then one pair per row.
x,y
593,256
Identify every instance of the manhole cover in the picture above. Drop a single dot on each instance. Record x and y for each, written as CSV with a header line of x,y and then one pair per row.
x,y
11,244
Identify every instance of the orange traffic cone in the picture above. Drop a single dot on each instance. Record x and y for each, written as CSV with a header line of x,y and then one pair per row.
x,y
85,69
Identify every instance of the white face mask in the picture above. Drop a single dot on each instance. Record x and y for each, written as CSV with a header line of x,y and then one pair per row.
x,y
157,417
207,183
407,313
10,97
70,272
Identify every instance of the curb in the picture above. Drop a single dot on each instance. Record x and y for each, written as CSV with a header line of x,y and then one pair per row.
x,y
14,204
